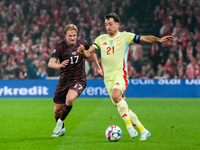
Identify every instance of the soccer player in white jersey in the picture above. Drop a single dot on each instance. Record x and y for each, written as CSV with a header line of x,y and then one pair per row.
x,y
114,53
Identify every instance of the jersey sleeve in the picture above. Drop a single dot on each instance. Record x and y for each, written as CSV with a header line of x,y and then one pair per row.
x,y
132,38
96,43
56,52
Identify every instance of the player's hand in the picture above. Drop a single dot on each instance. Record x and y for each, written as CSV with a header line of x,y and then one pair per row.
x,y
64,63
166,38
100,71
81,49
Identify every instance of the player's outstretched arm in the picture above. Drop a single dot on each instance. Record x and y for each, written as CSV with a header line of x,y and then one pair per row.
x,y
153,39
86,54
52,63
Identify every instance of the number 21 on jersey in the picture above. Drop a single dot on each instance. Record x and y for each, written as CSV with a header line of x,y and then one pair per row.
x,y
110,50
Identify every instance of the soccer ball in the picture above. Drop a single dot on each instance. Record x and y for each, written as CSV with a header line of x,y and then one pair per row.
x,y
113,133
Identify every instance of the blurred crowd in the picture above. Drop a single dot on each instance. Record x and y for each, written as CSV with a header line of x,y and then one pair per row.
x,y
29,29
179,58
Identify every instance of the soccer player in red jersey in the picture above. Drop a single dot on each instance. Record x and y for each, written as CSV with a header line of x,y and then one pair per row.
x,y
72,80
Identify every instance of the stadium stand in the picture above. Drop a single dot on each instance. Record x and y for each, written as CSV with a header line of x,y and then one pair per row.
x,y
29,29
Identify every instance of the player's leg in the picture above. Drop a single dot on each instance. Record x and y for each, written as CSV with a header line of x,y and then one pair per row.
x,y
116,93
123,110
74,91
71,96
145,134
57,112
59,101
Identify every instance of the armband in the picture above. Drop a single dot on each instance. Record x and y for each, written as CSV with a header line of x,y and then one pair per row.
x,y
96,45
55,55
136,39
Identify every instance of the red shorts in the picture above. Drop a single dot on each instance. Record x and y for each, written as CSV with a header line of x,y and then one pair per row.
x,y
61,91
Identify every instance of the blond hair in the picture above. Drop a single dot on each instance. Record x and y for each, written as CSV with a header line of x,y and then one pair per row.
x,y
70,27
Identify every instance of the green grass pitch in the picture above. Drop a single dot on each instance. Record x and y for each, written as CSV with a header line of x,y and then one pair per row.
x,y
27,124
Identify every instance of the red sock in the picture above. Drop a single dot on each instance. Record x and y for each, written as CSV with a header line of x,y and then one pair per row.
x,y
65,112
57,118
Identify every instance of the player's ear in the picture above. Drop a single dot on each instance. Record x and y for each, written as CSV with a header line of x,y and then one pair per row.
x,y
117,24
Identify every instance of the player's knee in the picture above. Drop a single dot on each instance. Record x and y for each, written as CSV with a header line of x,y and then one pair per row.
x,y
69,101
57,112
116,98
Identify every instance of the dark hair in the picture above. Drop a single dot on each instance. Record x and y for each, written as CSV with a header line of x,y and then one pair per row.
x,y
114,16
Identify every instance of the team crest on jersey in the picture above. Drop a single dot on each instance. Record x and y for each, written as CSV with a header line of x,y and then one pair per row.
x,y
118,41
111,42
73,53
54,50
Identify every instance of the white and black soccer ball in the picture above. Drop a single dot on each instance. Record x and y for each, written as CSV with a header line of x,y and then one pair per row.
x,y
113,133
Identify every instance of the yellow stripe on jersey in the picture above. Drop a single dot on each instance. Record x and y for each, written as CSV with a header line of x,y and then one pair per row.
x,y
114,53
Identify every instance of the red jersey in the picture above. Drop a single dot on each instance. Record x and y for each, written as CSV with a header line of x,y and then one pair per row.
x,y
75,70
